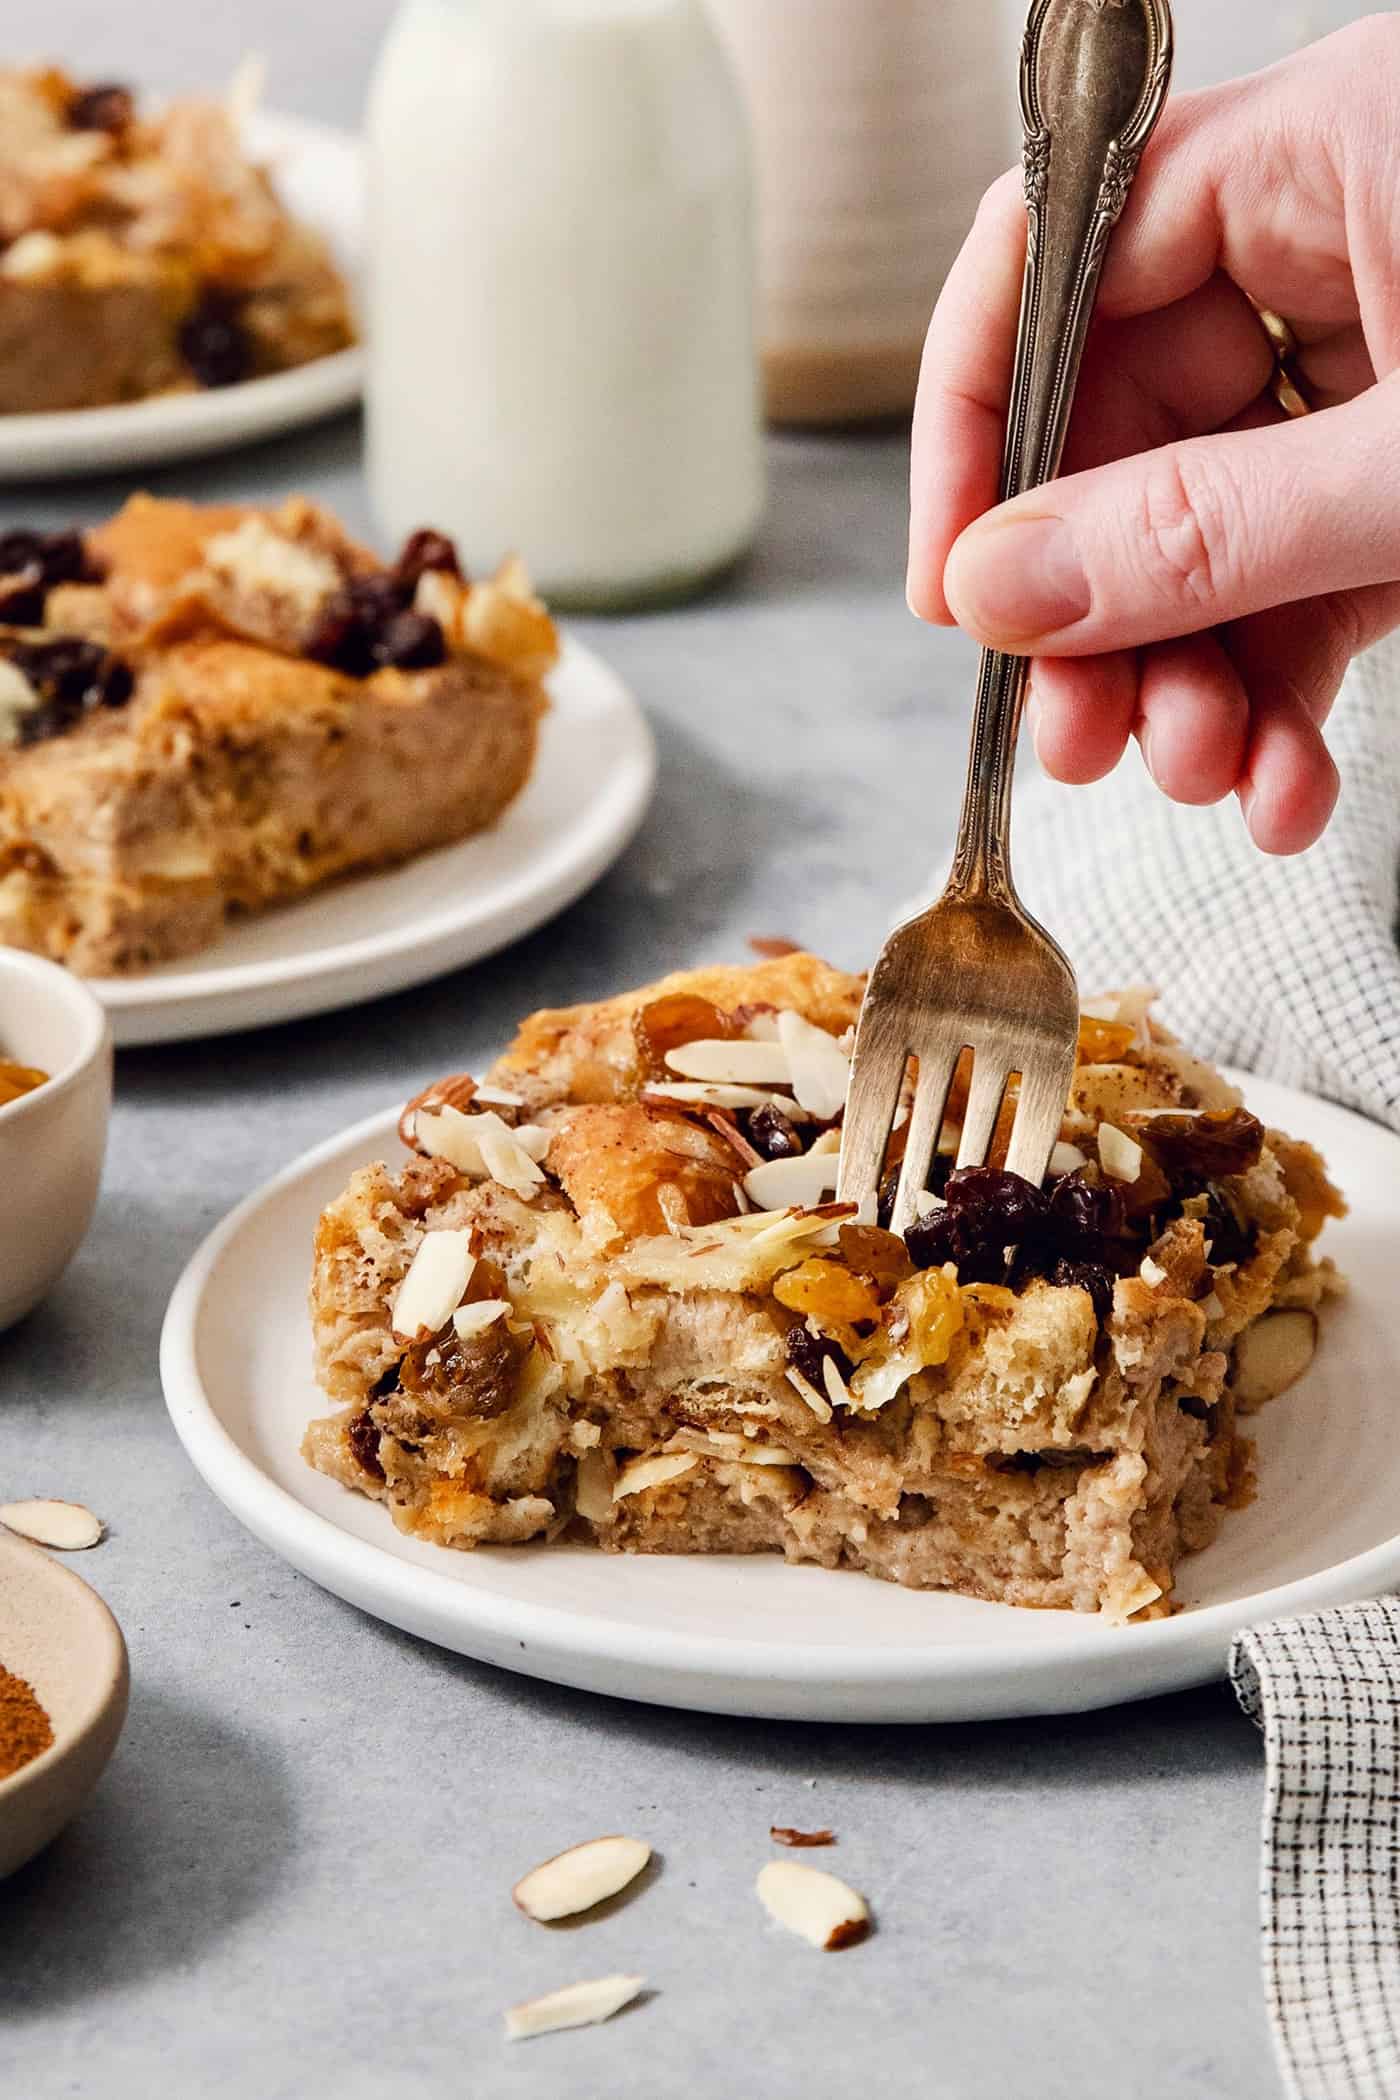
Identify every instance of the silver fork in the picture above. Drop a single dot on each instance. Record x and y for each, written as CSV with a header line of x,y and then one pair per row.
x,y
975,972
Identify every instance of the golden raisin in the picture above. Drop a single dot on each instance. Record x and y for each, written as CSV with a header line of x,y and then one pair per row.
x,y
664,1024
873,1252
932,1304
827,1293
1103,1042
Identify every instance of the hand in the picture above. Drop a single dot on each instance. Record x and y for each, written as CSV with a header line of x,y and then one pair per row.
x,y
1206,570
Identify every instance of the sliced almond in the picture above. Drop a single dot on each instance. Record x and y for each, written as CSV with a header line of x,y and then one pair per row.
x,y
577,2005
837,1390
797,1183
732,1061
1119,1155
475,1319
719,1094
656,1471
1065,1157
481,1145
1270,1356
593,1486
580,1878
434,1286
784,1834
815,1905
821,1069
507,1159
807,1392
1151,1272
66,1525
496,1096
826,1141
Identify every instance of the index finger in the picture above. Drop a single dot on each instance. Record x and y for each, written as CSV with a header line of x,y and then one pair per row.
x,y
964,386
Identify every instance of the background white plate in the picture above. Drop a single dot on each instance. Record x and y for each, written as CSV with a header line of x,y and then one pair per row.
x,y
319,174
752,1636
592,780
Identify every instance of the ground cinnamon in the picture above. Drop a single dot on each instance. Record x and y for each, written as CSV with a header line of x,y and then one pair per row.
x,y
25,1729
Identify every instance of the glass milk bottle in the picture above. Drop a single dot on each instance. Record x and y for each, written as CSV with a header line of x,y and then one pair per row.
x,y
560,301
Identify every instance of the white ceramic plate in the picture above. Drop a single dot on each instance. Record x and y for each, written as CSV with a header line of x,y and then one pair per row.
x,y
319,174
752,1636
591,783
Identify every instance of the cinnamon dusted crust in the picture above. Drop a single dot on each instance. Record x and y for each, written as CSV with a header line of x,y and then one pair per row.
x,y
666,1370
241,771
145,255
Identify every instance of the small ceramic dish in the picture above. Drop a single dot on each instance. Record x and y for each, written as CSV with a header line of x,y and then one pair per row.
x,y
52,1140
59,1636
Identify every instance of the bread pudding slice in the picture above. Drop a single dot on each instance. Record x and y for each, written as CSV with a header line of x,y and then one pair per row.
x,y
204,711
145,255
608,1295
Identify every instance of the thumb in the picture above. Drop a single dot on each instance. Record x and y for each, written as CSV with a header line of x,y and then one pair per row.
x,y
1174,541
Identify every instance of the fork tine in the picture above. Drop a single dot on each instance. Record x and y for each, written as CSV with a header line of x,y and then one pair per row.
x,y
872,1095
1044,1092
989,1077
925,1122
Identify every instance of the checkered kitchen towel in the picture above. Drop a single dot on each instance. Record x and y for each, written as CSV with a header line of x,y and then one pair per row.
x,y
1326,1692
1288,967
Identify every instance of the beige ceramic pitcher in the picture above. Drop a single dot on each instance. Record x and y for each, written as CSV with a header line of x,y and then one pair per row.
x,y
878,124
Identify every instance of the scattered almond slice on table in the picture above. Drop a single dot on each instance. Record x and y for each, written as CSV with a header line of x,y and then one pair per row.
x,y
577,2005
784,1834
815,1905
580,1878
66,1525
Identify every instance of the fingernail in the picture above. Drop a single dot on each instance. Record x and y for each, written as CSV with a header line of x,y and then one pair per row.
x,y
1145,741
1033,715
1014,580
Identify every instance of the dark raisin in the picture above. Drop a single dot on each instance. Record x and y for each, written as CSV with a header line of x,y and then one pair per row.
x,y
30,564
984,1212
476,1378
806,1351
386,1384
1083,1214
1232,1236
363,1439
22,596
214,343
1002,1205
772,1133
1088,1276
72,678
1195,1149
353,628
106,107
60,557
424,550
410,641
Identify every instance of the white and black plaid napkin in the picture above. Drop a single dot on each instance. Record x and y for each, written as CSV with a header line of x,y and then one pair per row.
x,y
1326,1692
1287,967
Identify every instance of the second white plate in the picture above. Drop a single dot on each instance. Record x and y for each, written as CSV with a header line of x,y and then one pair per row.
x,y
592,781
752,1636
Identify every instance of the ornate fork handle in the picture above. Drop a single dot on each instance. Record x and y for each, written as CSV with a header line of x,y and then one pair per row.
x,y
1094,77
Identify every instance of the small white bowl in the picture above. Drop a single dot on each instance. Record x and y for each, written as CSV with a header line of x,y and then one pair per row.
x,y
58,1635
52,1140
